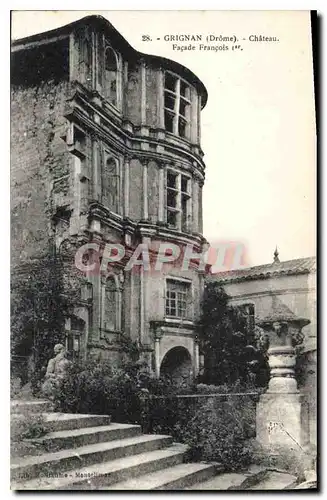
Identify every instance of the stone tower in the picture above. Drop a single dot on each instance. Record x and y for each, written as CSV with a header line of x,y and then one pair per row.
x,y
106,149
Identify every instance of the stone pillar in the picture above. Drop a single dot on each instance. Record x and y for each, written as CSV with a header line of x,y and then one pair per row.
x,y
119,308
282,415
195,204
200,213
94,61
161,197
103,280
160,99
157,356
73,55
142,305
145,215
158,334
126,187
196,364
282,420
120,82
96,170
143,93
194,116
199,120
74,225
282,370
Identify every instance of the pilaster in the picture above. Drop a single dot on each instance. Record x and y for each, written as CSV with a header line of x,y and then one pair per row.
x,y
160,99
161,200
143,93
145,214
126,186
96,170
195,203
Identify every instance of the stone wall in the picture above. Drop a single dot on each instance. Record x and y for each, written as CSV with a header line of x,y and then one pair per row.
x,y
38,157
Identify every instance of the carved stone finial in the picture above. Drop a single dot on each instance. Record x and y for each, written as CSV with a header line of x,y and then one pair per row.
x,y
276,256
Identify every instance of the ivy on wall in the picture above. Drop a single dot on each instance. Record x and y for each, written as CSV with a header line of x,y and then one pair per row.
x,y
40,302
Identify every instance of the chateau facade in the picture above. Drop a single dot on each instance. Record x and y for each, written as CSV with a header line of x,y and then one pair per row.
x,y
106,149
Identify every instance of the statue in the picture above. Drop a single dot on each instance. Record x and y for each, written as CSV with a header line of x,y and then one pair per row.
x,y
56,370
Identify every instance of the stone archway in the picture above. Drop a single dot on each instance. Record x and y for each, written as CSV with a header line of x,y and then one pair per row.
x,y
177,365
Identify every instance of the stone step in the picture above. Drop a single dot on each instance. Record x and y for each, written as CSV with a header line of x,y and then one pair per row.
x,y
224,482
276,481
33,406
71,421
65,460
232,480
103,474
60,440
172,478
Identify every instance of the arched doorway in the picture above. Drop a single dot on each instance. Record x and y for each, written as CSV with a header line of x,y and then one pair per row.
x,y
177,365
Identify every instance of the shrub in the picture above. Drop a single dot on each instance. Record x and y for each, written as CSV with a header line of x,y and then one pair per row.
x,y
100,388
217,428
218,433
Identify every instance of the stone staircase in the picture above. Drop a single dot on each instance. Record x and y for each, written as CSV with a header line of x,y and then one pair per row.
x,y
89,452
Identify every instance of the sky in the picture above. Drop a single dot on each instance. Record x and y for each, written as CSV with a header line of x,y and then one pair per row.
x,y
258,127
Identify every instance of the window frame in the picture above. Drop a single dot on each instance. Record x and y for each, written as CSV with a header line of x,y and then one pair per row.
x,y
177,117
105,45
106,83
85,60
181,224
188,316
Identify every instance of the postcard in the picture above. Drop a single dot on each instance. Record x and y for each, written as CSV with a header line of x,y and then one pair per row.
x,y
163,250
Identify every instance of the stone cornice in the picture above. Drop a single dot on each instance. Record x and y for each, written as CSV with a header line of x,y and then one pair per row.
x,y
264,293
142,228
101,25
82,107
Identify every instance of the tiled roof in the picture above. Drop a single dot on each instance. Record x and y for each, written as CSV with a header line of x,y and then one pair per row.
x,y
288,267
279,311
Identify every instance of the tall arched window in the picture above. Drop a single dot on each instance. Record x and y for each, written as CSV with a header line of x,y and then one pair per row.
x,y
110,184
110,304
85,58
110,75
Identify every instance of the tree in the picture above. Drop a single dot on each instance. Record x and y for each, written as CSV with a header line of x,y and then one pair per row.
x,y
230,349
